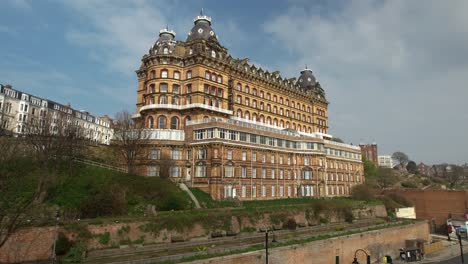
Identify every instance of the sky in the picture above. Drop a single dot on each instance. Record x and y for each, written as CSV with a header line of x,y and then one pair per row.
x,y
395,72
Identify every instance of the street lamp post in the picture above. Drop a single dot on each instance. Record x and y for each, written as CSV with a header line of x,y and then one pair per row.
x,y
57,218
266,243
461,247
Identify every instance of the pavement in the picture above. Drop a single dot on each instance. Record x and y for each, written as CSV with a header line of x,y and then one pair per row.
x,y
449,255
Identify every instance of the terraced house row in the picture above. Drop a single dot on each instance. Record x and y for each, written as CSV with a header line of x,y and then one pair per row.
x,y
235,130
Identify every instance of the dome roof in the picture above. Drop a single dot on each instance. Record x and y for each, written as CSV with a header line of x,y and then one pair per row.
x,y
202,28
307,79
165,43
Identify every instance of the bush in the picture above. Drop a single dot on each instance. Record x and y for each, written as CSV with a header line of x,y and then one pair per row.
x,y
409,184
104,238
108,202
290,224
362,192
62,245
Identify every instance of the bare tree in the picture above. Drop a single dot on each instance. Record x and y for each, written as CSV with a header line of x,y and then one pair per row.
x,y
165,164
401,157
454,174
129,139
54,137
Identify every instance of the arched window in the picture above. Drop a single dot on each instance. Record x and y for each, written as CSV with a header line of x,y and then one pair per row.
x,y
287,113
213,77
239,86
213,54
268,107
152,100
299,128
220,79
294,126
188,100
239,113
275,122
246,89
175,88
165,51
239,99
261,119
150,122
187,119
308,109
189,75
254,103
293,104
287,124
254,117
163,73
153,74
310,130
254,91
268,96
176,75
275,98
162,122
281,123
174,122
163,87
247,115
308,119
207,75
261,105
175,100
275,109
163,99
247,101
206,119
268,120
152,89
281,100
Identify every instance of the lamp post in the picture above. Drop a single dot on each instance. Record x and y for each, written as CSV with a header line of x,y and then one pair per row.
x,y
57,218
266,243
461,247
355,256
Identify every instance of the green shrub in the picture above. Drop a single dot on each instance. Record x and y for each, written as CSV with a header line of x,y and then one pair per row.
x,y
409,184
104,238
62,245
249,229
362,192
74,254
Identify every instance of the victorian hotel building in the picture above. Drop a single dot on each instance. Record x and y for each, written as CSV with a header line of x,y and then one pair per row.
x,y
235,130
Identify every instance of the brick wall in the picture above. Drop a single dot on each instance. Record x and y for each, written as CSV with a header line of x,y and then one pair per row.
x,y
437,204
378,243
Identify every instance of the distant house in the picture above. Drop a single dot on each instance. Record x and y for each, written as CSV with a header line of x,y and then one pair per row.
x,y
425,170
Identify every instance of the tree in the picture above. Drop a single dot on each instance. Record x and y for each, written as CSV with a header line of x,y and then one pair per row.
x,y
401,157
129,139
370,170
386,177
29,166
455,174
411,167
165,164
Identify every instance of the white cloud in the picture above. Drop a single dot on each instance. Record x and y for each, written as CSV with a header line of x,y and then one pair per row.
x,y
394,71
121,31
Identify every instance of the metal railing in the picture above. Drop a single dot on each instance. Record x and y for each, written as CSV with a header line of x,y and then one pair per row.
x,y
101,165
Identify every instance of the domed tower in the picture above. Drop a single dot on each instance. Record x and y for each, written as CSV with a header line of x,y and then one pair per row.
x,y
307,80
202,29
166,42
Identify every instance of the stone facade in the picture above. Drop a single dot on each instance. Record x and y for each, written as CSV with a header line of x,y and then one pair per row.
x,y
18,110
236,130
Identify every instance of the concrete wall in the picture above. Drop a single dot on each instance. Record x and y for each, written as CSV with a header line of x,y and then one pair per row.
x,y
437,204
378,243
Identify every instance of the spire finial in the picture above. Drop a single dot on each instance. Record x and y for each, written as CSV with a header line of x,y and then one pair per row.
x,y
167,28
306,66
201,12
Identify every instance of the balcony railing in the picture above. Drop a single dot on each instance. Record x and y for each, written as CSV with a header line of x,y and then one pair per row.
x,y
164,134
184,107
329,142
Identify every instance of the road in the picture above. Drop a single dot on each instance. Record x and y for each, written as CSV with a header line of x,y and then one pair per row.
x,y
456,260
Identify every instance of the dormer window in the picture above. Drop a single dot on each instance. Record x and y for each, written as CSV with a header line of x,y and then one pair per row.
x,y
213,54
190,51
165,51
